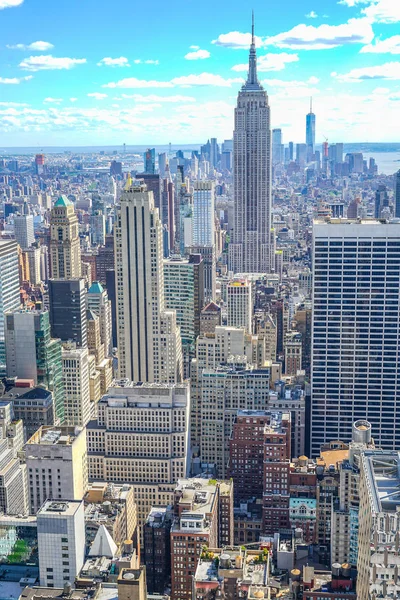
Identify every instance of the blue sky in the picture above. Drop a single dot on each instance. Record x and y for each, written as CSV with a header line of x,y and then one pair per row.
x,y
83,72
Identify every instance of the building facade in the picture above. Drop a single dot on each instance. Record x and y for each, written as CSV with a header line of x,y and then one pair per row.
x,y
355,331
148,337
140,437
65,252
9,290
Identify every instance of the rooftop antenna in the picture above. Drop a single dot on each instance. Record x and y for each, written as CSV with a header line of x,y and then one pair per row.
x,y
252,26
311,104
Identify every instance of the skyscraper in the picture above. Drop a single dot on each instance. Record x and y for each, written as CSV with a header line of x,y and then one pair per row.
x,y
65,252
397,195
355,332
33,354
67,301
203,213
23,230
310,133
149,160
148,337
277,147
250,250
9,290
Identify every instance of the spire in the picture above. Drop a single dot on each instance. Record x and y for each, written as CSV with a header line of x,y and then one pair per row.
x,y
252,82
310,104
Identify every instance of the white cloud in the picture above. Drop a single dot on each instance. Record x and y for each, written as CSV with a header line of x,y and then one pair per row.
x,y
309,37
107,61
139,61
270,62
53,100
378,11
97,95
383,11
14,80
13,104
155,98
204,79
38,46
388,71
311,15
10,3
389,46
73,99
287,90
236,40
352,3
133,82
47,62
194,47
197,55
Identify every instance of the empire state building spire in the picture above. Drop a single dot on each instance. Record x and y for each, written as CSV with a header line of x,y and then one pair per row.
x,y
252,82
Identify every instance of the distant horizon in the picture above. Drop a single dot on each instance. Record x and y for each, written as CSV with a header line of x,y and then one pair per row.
x,y
391,146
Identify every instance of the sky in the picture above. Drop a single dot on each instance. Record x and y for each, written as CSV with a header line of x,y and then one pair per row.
x,y
92,72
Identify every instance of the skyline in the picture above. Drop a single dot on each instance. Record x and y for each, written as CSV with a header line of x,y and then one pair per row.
x,y
139,82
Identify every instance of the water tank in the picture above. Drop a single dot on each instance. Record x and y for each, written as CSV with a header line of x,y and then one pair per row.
x,y
308,575
107,506
259,594
128,546
225,561
67,588
295,575
238,562
336,569
303,460
362,432
346,570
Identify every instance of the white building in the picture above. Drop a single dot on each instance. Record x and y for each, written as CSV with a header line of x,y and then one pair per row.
x,y
61,541
378,564
355,331
240,304
56,461
23,230
249,251
9,290
203,213
75,367
13,482
141,437
345,511
148,337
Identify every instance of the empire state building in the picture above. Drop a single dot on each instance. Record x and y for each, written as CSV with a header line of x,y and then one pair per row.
x,y
250,248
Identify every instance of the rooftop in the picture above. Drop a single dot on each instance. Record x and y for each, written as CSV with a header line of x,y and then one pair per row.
x,y
50,435
382,470
96,288
66,508
62,202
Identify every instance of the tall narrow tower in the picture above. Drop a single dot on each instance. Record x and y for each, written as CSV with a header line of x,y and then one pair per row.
x,y
310,133
250,247
148,337
65,251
